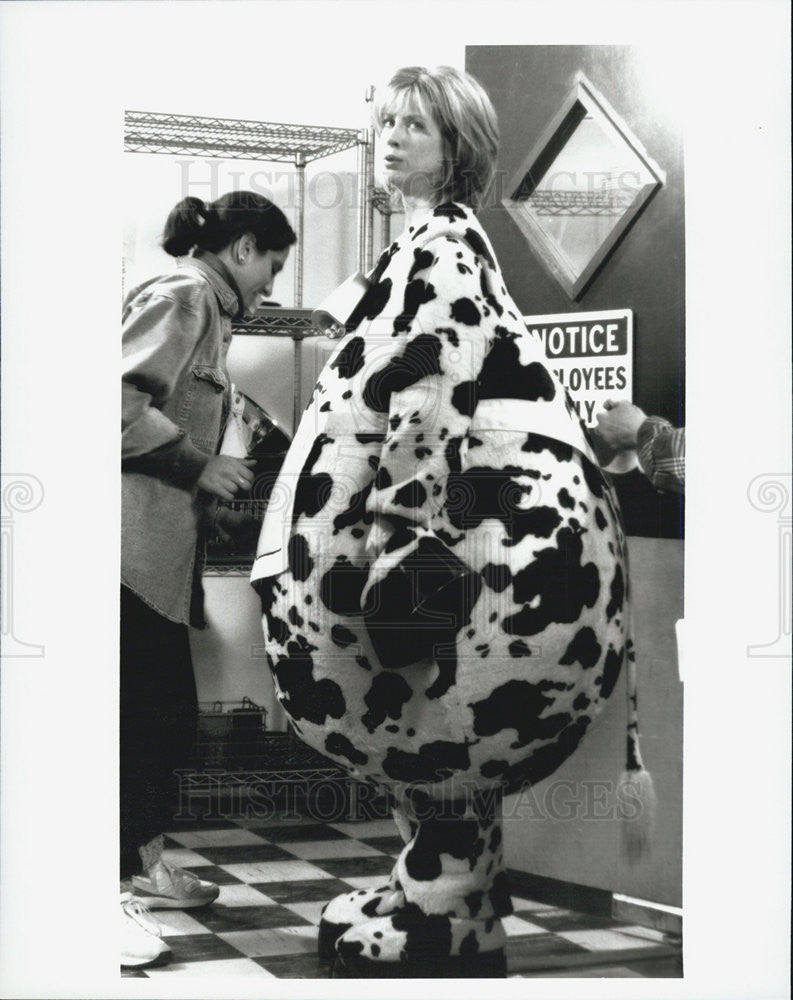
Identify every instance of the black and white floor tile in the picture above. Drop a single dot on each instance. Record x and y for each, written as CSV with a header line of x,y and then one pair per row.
x,y
275,878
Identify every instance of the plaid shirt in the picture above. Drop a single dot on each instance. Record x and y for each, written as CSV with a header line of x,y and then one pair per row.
x,y
662,454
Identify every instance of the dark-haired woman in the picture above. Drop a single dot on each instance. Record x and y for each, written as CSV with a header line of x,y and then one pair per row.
x,y
176,335
448,614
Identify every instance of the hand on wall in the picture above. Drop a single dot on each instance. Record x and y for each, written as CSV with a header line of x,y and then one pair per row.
x,y
619,423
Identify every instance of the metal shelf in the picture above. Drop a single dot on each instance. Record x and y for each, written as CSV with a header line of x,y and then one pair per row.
x,y
277,322
569,203
231,138
249,757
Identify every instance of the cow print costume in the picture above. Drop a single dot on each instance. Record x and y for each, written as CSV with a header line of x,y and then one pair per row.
x,y
443,579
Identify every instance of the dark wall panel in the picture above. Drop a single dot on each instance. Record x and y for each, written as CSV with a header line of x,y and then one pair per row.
x,y
645,272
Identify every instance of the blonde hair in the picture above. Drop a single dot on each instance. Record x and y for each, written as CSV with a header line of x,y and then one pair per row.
x,y
466,118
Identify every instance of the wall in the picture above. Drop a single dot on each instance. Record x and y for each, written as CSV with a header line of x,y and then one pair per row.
x,y
228,656
562,827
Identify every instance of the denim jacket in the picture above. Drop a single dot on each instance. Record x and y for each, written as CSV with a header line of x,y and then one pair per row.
x,y
175,388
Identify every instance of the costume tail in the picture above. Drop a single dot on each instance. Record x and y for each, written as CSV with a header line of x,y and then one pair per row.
x,y
635,792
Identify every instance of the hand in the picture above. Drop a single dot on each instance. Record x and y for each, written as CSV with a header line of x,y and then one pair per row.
x,y
619,423
224,476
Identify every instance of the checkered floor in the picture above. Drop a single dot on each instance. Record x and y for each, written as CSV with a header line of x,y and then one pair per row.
x,y
275,878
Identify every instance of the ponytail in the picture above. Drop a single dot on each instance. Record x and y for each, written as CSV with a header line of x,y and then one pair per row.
x,y
194,224
183,227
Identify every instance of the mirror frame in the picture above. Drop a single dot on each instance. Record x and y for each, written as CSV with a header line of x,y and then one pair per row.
x,y
583,100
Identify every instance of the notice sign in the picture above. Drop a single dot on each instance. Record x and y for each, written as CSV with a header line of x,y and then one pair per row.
x,y
591,354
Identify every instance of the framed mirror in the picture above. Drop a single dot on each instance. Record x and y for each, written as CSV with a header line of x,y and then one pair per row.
x,y
581,187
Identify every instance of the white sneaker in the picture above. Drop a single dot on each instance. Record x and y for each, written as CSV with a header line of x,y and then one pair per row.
x,y
141,936
166,887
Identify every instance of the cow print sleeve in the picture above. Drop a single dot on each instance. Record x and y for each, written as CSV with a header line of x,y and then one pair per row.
x,y
419,592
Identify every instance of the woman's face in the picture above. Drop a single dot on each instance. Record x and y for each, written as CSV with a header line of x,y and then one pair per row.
x,y
258,273
412,150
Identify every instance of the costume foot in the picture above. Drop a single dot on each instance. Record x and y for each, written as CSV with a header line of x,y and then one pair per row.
x,y
349,909
410,944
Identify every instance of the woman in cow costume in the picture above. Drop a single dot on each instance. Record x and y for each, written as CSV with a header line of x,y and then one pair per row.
x,y
443,567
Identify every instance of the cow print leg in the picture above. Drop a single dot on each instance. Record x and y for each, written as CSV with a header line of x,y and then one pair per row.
x,y
410,944
454,884
352,908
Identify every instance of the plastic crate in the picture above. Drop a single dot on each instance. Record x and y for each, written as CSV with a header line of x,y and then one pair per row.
x,y
221,719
